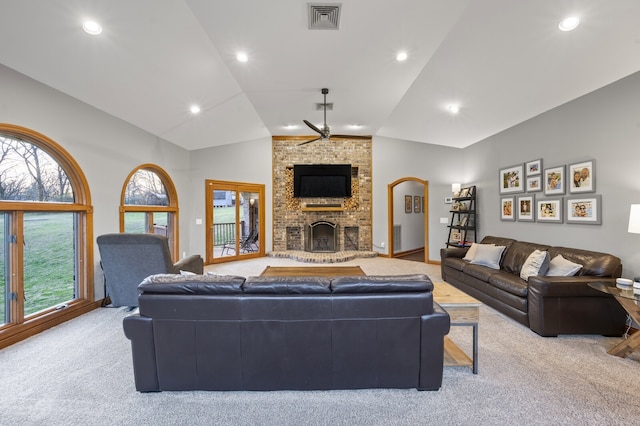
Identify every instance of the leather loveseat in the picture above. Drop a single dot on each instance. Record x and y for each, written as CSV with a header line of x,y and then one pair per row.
x,y
549,305
208,332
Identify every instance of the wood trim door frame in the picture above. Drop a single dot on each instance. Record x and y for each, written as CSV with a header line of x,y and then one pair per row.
x,y
390,203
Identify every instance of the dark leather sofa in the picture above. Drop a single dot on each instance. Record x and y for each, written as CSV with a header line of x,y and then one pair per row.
x,y
549,305
208,332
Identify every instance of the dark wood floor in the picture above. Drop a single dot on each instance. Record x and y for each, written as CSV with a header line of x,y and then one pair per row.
x,y
417,256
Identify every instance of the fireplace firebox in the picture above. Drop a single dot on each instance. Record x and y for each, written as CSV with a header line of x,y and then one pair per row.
x,y
321,237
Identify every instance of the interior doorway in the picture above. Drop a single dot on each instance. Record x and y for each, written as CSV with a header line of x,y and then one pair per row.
x,y
235,221
407,198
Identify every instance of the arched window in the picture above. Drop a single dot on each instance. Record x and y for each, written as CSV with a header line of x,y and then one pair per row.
x,y
149,204
46,250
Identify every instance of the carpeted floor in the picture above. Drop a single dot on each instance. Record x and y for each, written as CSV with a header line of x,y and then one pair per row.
x,y
81,373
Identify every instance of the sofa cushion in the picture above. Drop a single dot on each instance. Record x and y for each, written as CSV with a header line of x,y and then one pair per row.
x,y
480,272
536,264
382,284
471,253
517,254
510,283
287,285
191,284
488,255
561,267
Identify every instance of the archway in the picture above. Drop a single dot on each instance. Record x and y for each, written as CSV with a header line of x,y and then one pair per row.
x,y
424,207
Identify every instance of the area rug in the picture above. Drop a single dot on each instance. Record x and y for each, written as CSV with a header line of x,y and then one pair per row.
x,y
314,271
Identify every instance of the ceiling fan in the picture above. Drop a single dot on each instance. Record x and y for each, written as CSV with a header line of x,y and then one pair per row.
x,y
325,133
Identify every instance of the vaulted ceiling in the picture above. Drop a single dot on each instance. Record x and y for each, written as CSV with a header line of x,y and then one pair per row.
x,y
501,61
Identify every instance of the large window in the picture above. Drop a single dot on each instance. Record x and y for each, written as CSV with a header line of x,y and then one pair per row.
x,y
149,204
46,261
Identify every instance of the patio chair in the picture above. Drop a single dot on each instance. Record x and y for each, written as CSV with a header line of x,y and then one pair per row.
x,y
247,244
127,259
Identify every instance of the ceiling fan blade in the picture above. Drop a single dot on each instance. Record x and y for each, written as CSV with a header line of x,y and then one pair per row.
x,y
350,136
314,128
312,140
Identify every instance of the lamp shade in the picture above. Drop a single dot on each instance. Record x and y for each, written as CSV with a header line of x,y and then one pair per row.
x,y
455,187
634,219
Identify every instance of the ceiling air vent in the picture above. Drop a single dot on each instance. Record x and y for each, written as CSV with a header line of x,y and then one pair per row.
x,y
324,16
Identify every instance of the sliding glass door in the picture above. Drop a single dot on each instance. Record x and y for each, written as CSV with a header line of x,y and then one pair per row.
x,y
235,221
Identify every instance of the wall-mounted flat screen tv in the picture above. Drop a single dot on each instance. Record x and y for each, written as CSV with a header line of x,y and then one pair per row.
x,y
322,180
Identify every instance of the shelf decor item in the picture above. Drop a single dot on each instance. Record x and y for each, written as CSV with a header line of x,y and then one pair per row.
x,y
463,218
584,209
582,177
511,179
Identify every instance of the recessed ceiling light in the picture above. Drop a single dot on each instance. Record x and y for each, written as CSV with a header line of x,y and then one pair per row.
x,y
402,56
242,57
92,27
454,109
195,109
355,126
290,126
568,24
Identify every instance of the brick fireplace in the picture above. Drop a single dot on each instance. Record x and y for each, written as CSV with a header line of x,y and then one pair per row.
x,y
350,218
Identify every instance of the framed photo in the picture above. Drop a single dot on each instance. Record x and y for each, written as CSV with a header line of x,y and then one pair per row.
x,y
534,168
464,221
456,236
554,181
512,179
526,208
584,209
407,204
417,204
534,184
464,192
582,177
507,208
549,210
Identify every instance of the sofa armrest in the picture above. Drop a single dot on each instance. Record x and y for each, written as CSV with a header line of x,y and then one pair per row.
x,y
458,252
139,330
193,263
544,286
567,305
433,329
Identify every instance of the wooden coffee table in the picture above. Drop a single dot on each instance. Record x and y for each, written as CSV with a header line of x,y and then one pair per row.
x,y
463,310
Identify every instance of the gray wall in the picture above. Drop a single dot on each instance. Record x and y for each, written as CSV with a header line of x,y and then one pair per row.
x,y
603,125
107,149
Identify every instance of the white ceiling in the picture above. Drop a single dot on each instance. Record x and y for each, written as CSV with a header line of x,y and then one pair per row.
x,y
503,61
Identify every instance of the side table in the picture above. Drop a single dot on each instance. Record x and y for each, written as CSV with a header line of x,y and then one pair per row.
x,y
628,299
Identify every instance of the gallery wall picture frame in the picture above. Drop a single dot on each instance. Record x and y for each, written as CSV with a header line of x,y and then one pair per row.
x,y
511,179
549,210
507,208
582,177
408,208
526,208
554,180
585,209
534,184
533,168
417,204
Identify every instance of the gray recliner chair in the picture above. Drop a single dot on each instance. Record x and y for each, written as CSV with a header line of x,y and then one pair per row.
x,y
127,259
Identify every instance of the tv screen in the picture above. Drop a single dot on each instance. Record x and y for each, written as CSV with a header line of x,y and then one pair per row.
x,y
322,180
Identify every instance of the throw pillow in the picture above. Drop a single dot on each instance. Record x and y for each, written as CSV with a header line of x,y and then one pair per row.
x,y
561,267
471,253
536,264
488,255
